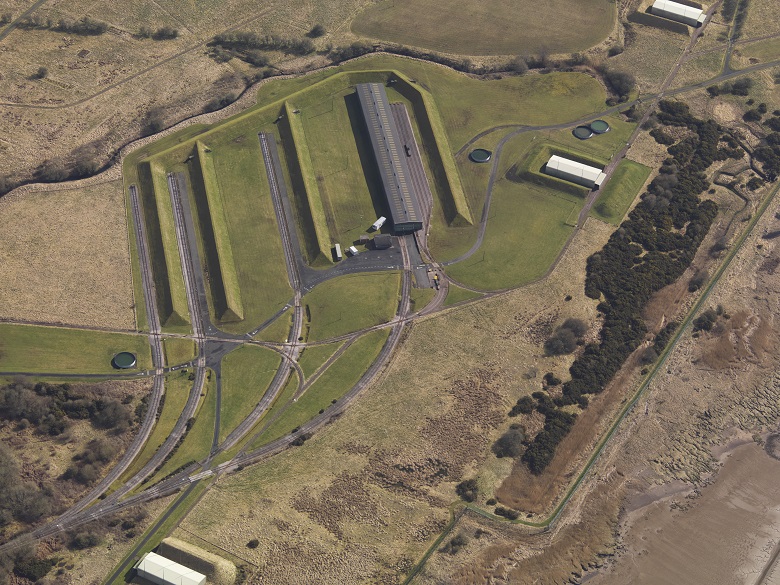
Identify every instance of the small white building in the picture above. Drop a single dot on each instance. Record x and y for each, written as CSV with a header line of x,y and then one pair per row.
x,y
680,12
574,171
158,569
378,223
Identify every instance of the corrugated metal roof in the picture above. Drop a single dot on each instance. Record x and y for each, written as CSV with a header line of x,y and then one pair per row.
x,y
676,8
158,569
574,168
401,198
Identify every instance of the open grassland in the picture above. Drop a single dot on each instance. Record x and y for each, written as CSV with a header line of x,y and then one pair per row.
x,y
315,355
759,52
650,56
491,27
621,190
197,442
351,303
177,389
457,294
365,497
529,225
246,375
30,348
178,350
340,376
64,257
699,68
228,304
600,147
761,19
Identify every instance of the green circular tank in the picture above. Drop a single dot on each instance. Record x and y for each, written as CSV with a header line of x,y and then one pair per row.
x,y
124,360
480,155
582,132
599,126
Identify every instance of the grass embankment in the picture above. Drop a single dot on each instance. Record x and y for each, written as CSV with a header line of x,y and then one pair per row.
x,y
331,385
314,356
178,350
621,190
33,348
226,291
197,441
351,303
462,28
246,374
172,300
177,389
315,225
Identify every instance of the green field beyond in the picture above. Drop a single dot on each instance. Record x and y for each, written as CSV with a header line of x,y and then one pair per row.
x,y
30,348
489,27
351,303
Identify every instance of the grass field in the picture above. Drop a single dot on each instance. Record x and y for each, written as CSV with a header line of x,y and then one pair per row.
x,y
277,331
621,190
177,389
351,303
178,350
29,348
316,355
456,294
64,257
246,374
227,301
331,385
527,228
420,297
489,28
197,441
760,52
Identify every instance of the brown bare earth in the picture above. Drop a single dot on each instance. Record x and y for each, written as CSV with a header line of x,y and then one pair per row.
x,y
64,257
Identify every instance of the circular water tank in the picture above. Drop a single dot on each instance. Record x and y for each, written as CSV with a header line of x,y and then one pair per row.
x,y
124,360
480,155
599,126
582,132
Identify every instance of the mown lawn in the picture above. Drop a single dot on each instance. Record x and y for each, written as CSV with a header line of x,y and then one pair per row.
x,y
456,294
32,348
178,350
620,191
316,355
351,303
246,374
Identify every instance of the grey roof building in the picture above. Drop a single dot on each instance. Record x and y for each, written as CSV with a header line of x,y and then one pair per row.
x,y
402,200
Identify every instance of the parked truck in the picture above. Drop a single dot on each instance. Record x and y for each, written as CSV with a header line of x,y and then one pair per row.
x,y
353,250
378,223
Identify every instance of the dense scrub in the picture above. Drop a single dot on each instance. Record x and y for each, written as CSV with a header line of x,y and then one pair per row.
x,y
651,249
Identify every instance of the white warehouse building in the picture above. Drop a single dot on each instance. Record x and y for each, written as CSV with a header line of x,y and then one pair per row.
x,y
574,171
680,12
157,569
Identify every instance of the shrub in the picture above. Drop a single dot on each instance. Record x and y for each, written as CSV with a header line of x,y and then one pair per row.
x,y
518,65
165,33
507,513
551,379
254,543
41,73
649,355
510,444
705,321
33,569
84,540
619,82
525,405
698,280
563,341
316,31
467,490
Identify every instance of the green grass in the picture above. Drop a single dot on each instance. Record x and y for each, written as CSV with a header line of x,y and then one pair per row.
x,y
351,303
197,441
489,28
246,375
317,231
230,307
178,350
767,50
277,331
456,294
179,314
332,385
600,147
621,190
420,297
316,355
177,389
527,228
32,348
